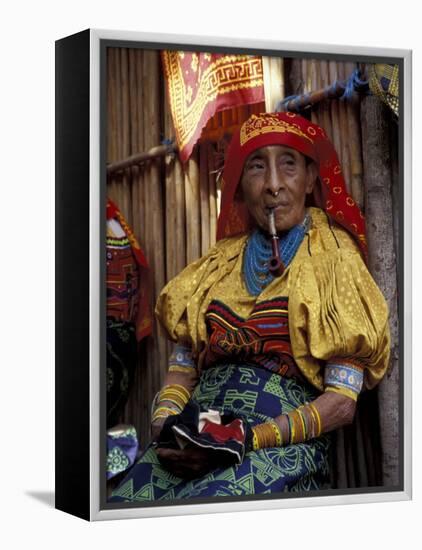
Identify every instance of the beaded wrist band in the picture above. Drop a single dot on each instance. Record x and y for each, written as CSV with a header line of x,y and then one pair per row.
x,y
181,359
344,376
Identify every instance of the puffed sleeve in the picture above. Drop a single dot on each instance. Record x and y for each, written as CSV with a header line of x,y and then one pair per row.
x,y
182,303
338,322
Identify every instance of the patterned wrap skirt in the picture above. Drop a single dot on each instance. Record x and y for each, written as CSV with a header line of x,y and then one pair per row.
x,y
257,395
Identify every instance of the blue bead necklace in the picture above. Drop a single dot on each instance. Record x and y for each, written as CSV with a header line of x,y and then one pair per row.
x,y
258,253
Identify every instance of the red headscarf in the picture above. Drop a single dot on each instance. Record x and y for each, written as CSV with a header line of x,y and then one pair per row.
x,y
293,131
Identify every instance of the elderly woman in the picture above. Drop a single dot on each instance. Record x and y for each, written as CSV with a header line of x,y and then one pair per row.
x,y
278,327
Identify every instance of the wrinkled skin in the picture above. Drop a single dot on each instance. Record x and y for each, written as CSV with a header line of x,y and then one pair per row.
x,y
279,178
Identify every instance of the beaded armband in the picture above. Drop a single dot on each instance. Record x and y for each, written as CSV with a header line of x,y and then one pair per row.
x,y
172,398
181,359
344,377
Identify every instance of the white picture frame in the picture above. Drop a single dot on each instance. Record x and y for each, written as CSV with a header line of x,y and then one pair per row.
x,y
85,53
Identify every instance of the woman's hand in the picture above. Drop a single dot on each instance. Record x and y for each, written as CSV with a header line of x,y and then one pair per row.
x,y
189,463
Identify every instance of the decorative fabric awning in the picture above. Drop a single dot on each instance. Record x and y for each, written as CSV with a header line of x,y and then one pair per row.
x,y
200,84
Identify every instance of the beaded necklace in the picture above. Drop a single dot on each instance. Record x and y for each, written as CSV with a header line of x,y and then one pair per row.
x,y
258,252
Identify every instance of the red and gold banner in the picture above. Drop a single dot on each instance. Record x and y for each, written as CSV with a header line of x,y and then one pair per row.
x,y
200,84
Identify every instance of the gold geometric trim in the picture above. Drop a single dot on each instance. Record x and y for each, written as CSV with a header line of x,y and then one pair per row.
x,y
256,126
226,74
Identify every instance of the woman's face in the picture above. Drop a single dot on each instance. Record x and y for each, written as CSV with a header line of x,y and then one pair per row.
x,y
277,177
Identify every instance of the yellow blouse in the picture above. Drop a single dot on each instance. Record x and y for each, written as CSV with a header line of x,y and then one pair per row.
x,y
335,307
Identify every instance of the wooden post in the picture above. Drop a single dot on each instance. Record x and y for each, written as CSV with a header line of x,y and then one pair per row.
x,y
382,263
394,153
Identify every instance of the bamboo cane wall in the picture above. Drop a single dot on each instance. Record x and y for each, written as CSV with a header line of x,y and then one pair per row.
x,y
173,211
